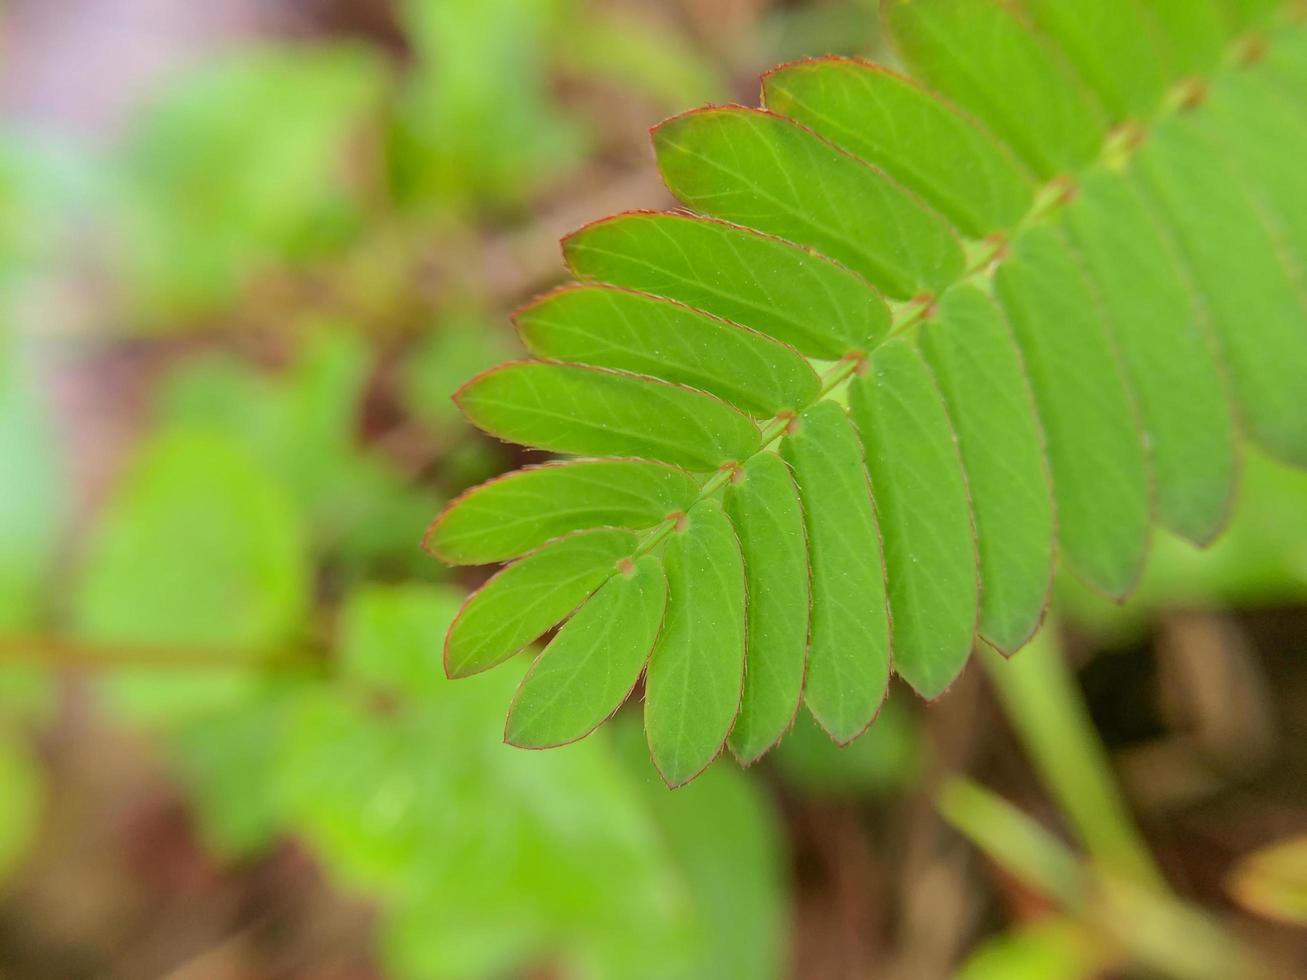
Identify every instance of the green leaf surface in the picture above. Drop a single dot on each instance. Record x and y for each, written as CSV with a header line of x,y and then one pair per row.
x,y
791,293
988,62
630,331
1242,15
925,516
979,370
763,505
1239,271
228,764
590,667
199,547
696,672
1186,415
1261,129
1095,449
743,165
589,411
849,638
515,513
531,596
1191,34
1111,45
892,122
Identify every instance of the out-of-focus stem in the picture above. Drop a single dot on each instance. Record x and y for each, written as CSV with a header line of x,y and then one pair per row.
x,y
1045,708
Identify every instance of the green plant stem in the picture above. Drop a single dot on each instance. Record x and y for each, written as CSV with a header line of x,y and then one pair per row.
x,y
1133,923
1045,708
53,651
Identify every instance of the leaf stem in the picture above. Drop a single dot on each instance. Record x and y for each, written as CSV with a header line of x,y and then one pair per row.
x,y
1041,700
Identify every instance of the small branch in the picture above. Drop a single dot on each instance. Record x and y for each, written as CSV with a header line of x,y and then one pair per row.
x,y
1042,702
48,650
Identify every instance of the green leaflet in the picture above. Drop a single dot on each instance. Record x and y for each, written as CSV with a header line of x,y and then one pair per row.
x,y
630,331
849,638
1285,62
1190,34
980,56
925,516
763,505
894,123
742,165
1240,15
1111,45
783,290
1238,270
512,514
1186,416
590,667
1262,130
979,371
587,411
696,671
1095,449
530,596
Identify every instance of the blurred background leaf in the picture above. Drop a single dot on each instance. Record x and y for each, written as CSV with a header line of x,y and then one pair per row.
x,y
242,164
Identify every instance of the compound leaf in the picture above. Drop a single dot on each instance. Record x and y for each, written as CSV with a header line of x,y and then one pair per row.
x,y
1053,276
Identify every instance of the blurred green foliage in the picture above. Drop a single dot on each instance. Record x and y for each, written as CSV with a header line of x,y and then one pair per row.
x,y
474,121
238,578
887,758
35,499
21,779
1260,560
199,548
206,196
231,581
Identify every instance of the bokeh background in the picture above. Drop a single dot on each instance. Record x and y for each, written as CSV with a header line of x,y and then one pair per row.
x,y
248,248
